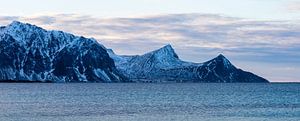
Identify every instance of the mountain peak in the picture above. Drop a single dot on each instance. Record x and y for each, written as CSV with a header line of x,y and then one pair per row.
x,y
19,31
15,23
221,59
168,46
166,51
18,25
221,56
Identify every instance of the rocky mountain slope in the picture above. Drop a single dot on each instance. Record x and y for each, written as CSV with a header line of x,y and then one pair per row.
x,y
30,53
163,65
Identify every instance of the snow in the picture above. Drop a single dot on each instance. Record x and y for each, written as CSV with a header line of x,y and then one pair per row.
x,y
102,74
47,44
161,65
164,65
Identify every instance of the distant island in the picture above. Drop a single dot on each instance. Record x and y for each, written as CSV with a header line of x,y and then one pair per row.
x,y
32,54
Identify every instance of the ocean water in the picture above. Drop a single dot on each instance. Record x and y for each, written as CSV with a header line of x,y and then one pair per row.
x,y
149,102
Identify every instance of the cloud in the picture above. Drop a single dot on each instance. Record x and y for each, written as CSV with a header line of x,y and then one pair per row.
x,y
196,37
294,6
182,30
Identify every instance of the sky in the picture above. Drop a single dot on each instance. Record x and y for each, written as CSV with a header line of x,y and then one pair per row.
x,y
254,9
261,36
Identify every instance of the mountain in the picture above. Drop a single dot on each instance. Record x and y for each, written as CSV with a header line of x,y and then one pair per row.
x,y
29,53
32,54
164,65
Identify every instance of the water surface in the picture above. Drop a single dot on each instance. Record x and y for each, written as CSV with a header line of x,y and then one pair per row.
x,y
149,102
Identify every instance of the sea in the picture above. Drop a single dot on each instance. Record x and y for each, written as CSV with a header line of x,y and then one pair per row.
x,y
150,102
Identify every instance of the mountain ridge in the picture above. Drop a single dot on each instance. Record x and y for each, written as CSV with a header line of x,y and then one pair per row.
x,y
31,53
153,66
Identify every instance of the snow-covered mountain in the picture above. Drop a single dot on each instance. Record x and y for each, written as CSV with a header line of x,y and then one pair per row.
x,y
163,65
30,53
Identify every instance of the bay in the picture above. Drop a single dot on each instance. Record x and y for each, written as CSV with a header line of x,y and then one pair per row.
x,y
149,102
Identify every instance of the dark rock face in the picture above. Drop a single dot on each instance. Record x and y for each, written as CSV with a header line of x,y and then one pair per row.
x,y
30,53
163,65
220,69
